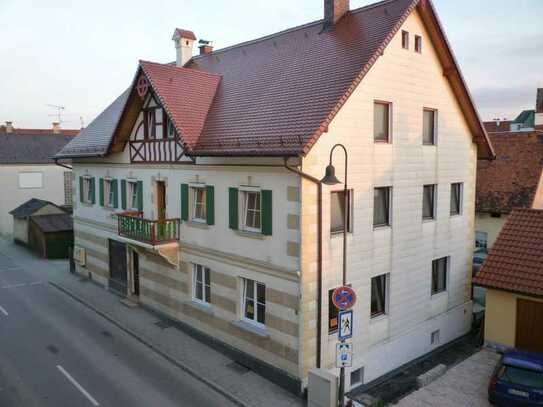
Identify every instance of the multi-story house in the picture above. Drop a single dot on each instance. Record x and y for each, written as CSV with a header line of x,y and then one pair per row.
x,y
27,169
198,190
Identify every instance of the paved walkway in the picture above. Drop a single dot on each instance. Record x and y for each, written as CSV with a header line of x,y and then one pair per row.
x,y
465,385
242,386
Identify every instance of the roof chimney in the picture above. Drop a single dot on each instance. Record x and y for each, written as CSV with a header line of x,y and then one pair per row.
x,y
539,108
184,39
206,47
333,11
56,128
9,127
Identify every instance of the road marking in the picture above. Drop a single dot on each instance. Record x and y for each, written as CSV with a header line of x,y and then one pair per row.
x,y
78,386
21,284
3,311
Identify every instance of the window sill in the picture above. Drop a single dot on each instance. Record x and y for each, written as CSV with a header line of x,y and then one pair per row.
x,y
456,215
87,204
339,234
439,295
378,318
252,328
382,227
382,142
251,235
197,224
200,306
429,144
428,220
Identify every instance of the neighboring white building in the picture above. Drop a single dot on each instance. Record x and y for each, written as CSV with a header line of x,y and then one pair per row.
x,y
198,192
27,169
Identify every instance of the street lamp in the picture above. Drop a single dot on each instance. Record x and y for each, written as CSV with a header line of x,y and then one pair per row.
x,y
331,179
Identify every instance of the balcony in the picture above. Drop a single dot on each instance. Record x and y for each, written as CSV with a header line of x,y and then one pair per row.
x,y
168,150
132,225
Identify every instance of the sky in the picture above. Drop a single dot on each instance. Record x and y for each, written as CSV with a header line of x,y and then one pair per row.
x,y
82,54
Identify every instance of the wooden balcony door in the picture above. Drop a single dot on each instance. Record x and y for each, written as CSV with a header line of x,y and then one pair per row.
x,y
161,200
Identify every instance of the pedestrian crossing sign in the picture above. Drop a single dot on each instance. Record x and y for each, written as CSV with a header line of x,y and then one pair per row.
x,y
345,330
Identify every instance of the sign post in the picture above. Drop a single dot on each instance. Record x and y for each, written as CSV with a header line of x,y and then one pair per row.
x,y
344,298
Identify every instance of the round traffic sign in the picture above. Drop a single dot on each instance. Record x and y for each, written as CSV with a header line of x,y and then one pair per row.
x,y
344,297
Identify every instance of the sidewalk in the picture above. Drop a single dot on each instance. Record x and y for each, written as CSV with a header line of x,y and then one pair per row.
x,y
240,385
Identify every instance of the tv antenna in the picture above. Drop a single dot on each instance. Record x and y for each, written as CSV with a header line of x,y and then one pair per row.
x,y
58,114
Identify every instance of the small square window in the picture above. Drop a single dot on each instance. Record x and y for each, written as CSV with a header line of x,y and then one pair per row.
x,y
381,122
252,211
405,40
456,198
429,127
199,213
332,314
337,208
379,288
381,206
418,44
254,301
201,284
439,275
357,377
429,202
434,339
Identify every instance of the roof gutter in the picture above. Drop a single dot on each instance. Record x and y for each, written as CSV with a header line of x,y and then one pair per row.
x,y
318,183
62,165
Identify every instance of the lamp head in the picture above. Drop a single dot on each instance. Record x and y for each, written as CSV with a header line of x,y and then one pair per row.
x,y
330,176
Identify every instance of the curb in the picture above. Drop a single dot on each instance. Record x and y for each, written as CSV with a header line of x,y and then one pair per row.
x,y
165,355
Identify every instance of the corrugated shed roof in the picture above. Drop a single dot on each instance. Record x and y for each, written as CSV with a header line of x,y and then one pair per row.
x,y
515,262
30,148
54,223
30,207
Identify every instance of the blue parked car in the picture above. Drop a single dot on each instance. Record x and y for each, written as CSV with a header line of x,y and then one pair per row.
x,y
517,380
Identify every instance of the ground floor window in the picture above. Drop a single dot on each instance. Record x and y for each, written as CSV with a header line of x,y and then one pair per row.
x,y
201,286
254,301
332,313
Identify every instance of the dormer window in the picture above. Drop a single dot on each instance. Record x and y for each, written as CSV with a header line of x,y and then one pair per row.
x,y
405,39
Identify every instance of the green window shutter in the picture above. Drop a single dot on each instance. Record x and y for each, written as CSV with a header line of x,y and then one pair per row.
x,y
115,188
140,196
267,219
234,209
93,190
210,205
123,193
184,202
81,198
101,189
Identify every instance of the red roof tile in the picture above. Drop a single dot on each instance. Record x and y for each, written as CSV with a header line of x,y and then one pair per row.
x,y
186,94
515,262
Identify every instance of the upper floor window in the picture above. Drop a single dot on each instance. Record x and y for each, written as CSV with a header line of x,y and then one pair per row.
x,y
154,123
381,206
405,39
429,127
439,275
201,284
481,239
199,213
456,198
87,190
108,192
337,211
254,301
252,211
429,202
418,44
381,122
379,294
133,195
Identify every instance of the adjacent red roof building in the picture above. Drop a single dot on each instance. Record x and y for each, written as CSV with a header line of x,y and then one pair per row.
x,y
515,262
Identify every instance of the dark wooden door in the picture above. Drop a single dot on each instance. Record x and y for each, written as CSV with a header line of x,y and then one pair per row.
x,y
117,267
136,269
530,325
161,200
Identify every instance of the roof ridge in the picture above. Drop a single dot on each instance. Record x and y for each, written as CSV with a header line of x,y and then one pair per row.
x,y
169,65
289,30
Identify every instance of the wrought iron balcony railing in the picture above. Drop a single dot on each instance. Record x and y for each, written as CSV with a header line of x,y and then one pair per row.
x,y
133,225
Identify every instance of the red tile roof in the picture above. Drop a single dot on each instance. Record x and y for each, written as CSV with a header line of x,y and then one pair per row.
x,y
186,94
493,127
510,180
515,262
185,34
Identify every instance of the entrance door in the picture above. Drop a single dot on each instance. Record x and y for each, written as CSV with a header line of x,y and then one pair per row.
x,y
136,270
118,267
161,200
529,325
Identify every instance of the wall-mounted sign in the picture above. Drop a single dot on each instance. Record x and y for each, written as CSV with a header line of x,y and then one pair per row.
x,y
344,297
345,330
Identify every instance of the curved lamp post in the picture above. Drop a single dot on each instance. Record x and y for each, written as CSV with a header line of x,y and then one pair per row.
x,y
331,179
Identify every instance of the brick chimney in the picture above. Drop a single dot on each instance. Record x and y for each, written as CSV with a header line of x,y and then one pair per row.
x,y
539,108
184,40
56,128
333,11
9,127
206,47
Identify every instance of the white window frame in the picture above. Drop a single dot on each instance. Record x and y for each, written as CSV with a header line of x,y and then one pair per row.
x,y
246,282
87,198
194,195
389,124
206,299
447,269
389,215
109,197
434,203
244,201
387,296
435,113
132,195
460,199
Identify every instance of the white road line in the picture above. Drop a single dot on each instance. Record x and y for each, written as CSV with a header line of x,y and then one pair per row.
x,y
21,285
3,311
78,386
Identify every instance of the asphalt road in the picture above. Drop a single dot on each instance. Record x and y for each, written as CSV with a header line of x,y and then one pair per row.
x,y
56,352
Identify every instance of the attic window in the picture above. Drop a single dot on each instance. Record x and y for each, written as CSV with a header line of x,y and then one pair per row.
x,y
405,39
418,44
